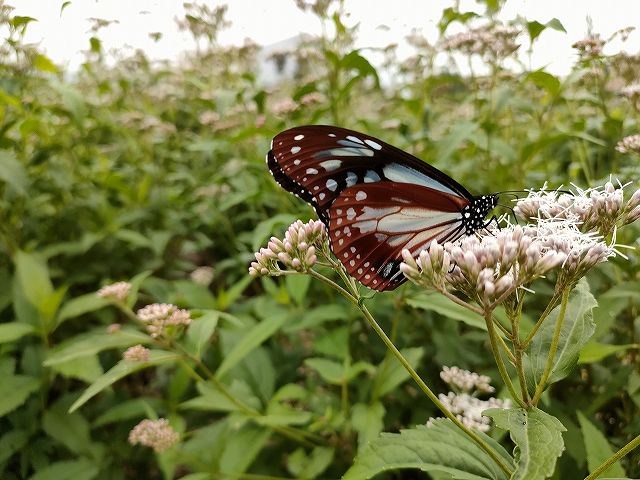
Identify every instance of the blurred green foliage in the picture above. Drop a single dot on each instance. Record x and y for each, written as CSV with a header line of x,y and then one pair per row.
x,y
145,170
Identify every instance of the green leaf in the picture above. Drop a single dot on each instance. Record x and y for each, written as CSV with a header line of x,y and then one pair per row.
x,y
33,276
210,399
254,337
265,229
439,448
200,331
44,64
391,373
538,439
368,421
21,21
75,307
336,373
93,342
556,25
577,329
242,447
14,391
545,80
305,466
82,469
12,172
128,410
594,351
447,308
63,6
87,369
12,331
11,443
121,370
598,449
534,28
297,286
71,430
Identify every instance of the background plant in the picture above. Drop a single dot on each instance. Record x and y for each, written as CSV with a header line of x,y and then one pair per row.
x,y
143,171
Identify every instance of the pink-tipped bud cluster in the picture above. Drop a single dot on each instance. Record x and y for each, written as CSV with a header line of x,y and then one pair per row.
x,y
157,434
629,144
589,47
483,268
137,353
296,251
492,40
162,318
600,209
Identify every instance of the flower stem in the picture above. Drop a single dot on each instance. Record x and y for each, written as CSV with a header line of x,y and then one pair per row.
x,y
543,316
614,458
498,358
554,345
428,392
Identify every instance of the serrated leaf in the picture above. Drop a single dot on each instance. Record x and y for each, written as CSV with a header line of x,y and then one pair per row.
x,y
14,391
538,439
12,331
439,448
597,447
577,329
121,370
254,337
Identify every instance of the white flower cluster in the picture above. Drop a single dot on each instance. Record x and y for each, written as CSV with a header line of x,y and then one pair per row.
x,y
493,40
202,275
468,409
463,403
157,434
116,291
629,144
598,209
159,317
296,251
483,268
465,381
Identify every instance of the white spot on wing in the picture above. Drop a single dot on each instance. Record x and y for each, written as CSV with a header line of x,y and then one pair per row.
x,y
296,162
402,174
371,176
332,184
321,196
351,213
295,149
311,171
354,139
373,144
361,195
352,179
330,165
298,137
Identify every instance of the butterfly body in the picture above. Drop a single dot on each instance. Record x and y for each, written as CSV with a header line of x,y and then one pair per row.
x,y
375,199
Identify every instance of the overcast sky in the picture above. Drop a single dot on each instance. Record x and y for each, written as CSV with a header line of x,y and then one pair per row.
x,y
269,21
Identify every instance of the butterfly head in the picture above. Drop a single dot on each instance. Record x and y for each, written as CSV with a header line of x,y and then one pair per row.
x,y
474,214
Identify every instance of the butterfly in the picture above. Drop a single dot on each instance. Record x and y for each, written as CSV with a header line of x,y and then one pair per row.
x,y
374,199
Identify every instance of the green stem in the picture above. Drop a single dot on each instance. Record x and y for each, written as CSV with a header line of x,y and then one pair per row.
x,y
614,458
543,317
428,392
554,345
498,358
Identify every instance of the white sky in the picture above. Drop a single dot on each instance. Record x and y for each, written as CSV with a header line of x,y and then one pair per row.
x,y
64,35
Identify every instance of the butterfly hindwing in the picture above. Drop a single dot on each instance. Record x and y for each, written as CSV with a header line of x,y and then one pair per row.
x,y
370,224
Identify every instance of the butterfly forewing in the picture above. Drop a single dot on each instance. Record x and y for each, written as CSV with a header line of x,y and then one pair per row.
x,y
370,224
318,162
